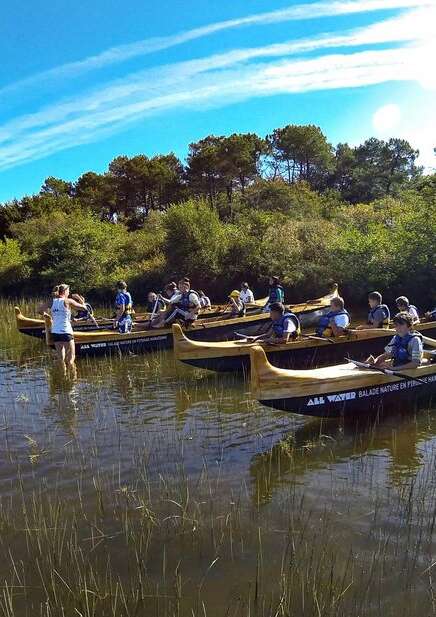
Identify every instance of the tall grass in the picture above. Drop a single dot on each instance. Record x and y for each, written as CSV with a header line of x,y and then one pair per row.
x,y
149,489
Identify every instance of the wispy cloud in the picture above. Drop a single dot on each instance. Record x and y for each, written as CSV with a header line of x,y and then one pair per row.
x,y
230,85
220,79
123,53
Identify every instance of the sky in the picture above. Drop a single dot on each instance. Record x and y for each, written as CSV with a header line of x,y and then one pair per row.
x,y
82,83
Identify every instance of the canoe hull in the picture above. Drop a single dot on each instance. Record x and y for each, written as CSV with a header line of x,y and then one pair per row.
x,y
358,401
36,328
307,354
339,390
158,340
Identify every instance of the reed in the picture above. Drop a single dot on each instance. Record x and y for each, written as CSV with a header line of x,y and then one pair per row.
x,y
146,489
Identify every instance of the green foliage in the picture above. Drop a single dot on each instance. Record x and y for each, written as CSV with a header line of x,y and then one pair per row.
x,y
242,208
300,153
77,249
194,240
13,264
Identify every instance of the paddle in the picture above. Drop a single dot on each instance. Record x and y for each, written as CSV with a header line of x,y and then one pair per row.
x,y
248,339
318,338
386,371
150,321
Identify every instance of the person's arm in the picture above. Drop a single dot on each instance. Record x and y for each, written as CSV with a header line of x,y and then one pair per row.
x,y
387,355
233,304
337,329
74,304
415,316
380,361
193,298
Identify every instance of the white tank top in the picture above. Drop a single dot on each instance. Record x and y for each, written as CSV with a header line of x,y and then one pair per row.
x,y
61,317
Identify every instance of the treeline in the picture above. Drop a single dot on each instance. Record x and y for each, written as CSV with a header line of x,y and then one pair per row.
x,y
240,208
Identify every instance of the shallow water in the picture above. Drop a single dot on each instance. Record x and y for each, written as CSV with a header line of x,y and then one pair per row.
x,y
145,487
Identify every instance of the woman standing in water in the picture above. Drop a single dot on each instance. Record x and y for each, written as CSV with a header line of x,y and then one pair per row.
x,y
62,330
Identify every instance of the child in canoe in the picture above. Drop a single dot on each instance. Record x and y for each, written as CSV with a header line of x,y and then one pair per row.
x,y
405,350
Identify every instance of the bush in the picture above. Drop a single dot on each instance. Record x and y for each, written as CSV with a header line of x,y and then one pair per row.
x,y
13,265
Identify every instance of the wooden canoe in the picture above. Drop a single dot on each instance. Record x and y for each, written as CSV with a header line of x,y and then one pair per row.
x,y
35,326
335,390
231,356
144,339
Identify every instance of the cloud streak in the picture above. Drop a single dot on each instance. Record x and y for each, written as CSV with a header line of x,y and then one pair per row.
x,y
221,79
411,26
215,89
123,53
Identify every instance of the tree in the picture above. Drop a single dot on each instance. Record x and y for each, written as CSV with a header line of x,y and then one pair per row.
x,y
56,187
301,153
98,193
239,160
382,168
203,170
143,184
343,169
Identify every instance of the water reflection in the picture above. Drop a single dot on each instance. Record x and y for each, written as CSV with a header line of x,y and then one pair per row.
x,y
396,436
194,451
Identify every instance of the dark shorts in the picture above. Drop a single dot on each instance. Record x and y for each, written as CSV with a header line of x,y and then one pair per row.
x,y
62,338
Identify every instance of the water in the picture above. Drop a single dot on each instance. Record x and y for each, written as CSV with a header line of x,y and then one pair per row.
x,y
148,488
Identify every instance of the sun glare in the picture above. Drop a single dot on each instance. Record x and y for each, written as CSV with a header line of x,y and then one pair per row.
x,y
386,118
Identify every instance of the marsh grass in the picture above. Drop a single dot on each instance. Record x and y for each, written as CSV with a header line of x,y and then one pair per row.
x,y
128,493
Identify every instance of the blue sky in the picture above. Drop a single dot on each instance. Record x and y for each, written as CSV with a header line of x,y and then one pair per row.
x,y
81,83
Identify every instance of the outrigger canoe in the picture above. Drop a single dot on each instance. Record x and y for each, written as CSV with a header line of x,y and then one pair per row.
x,y
36,327
143,340
305,352
337,390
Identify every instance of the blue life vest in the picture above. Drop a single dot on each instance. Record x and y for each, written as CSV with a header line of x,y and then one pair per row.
x,y
184,303
85,313
278,326
400,348
276,294
386,313
325,320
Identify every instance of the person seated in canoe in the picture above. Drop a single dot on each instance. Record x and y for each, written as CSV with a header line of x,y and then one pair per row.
x,y
379,314
246,294
285,325
183,306
205,302
405,350
154,303
82,314
170,290
431,315
336,321
237,307
123,308
276,293
404,306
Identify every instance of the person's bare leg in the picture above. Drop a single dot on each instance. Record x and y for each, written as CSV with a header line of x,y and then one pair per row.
x,y
70,353
70,356
60,352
